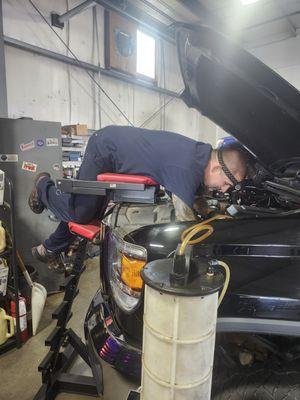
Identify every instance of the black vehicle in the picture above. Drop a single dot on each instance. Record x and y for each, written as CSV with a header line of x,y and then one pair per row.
x,y
259,318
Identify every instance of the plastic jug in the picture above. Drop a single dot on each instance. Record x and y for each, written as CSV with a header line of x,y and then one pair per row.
x,y
2,238
7,329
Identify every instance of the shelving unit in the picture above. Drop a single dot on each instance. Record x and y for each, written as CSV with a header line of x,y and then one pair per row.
x,y
10,255
70,167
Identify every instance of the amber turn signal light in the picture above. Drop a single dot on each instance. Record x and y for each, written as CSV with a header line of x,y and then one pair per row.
x,y
131,272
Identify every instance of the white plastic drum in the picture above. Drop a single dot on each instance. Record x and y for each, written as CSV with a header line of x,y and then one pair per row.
x,y
178,346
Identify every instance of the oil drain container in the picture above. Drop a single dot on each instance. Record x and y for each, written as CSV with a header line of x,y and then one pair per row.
x,y
180,314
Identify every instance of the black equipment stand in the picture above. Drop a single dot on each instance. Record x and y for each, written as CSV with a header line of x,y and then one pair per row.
x,y
55,378
133,395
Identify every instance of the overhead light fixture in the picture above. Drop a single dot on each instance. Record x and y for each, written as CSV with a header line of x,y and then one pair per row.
x,y
246,2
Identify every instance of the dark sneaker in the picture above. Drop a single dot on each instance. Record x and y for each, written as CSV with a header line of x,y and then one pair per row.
x,y
54,261
33,201
42,254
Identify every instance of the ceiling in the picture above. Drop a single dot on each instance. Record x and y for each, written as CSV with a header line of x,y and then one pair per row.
x,y
253,25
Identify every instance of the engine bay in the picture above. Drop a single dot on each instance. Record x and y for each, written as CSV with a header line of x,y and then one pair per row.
x,y
262,194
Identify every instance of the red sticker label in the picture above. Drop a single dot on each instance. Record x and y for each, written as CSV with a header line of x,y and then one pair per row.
x,y
29,166
27,146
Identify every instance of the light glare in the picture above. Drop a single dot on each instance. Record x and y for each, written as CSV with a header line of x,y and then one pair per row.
x,y
246,2
145,55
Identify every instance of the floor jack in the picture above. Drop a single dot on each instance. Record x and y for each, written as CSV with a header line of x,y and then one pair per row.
x,y
65,345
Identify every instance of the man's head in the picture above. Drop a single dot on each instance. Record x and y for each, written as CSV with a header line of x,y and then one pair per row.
x,y
225,169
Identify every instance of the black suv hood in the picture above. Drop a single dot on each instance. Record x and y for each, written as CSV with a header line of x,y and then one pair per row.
x,y
240,94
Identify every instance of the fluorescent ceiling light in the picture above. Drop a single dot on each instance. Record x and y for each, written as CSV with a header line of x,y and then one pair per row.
x,y
245,2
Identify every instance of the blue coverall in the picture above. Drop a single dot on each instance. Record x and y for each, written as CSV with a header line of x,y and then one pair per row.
x,y
172,160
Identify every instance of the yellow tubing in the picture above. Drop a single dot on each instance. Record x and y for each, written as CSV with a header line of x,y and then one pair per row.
x,y
193,230
226,283
186,238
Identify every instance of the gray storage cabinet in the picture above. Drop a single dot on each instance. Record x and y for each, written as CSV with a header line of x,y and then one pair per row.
x,y
28,147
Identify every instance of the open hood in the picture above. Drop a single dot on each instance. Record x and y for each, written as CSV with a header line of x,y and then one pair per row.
x,y
240,94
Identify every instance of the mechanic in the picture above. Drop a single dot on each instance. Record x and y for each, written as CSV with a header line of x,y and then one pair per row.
x,y
181,165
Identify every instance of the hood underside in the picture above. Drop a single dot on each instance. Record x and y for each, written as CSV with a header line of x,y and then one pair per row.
x,y
240,94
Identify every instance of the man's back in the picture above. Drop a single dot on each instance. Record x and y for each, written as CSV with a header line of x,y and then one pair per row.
x,y
173,160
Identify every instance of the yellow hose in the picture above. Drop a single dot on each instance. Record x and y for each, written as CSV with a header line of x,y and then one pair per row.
x,y
193,230
226,283
188,234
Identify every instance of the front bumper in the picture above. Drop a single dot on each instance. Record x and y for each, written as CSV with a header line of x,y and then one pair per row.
x,y
109,342
261,315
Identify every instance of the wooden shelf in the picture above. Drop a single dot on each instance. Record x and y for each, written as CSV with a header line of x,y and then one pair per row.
x,y
73,149
71,164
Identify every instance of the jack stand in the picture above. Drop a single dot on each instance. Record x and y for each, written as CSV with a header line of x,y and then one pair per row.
x,y
55,378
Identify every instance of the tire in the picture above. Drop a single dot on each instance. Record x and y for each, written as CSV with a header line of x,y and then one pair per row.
x,y
262,381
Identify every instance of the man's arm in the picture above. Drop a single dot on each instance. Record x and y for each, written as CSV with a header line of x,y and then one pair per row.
x,y
182,211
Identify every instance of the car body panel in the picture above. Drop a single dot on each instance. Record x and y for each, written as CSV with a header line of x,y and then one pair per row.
x,y
263,293
263,255
240,94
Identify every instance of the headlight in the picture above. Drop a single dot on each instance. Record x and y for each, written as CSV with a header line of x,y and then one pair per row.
x,y
126,260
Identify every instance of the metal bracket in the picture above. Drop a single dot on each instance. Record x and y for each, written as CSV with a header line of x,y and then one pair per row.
x,y
59,20
55,21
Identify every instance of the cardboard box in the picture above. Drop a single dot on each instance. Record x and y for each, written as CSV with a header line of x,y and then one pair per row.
x,y
78,130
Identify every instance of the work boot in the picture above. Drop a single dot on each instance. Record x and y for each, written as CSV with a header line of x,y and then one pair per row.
x,y
53,260
33,201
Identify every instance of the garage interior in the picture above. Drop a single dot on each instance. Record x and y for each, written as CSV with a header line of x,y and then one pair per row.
x,y
69,68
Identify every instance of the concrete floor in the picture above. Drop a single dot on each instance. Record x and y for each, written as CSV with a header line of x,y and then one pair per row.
x,y
19,377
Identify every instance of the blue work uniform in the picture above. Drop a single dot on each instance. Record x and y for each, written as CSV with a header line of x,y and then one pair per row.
x,y
172,160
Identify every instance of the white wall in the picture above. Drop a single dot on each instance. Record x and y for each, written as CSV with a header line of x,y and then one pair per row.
x,y
283,57
50,90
